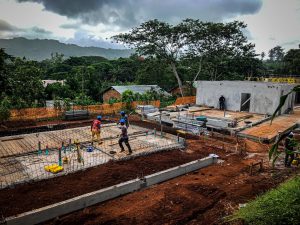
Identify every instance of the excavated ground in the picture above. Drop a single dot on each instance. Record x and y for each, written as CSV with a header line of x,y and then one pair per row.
x,y
13,201
202,197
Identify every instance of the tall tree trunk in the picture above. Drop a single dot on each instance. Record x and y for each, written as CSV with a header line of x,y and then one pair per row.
x,y
199,70
177,77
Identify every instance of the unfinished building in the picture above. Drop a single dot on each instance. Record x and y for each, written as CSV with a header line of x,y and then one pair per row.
x,y
247,96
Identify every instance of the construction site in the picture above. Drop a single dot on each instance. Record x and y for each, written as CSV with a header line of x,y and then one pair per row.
x,y
191,162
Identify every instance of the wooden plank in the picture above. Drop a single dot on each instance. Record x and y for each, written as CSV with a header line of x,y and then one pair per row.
x,y
3,151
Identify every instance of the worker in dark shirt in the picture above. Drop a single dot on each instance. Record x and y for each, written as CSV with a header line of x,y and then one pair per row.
x,y
289,145
222,102
124,137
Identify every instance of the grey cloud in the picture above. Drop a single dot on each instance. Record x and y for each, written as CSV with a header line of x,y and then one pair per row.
x,y
289,43
90,12
32,32
35,32
70,26
69,8
129,13
40,31
5,26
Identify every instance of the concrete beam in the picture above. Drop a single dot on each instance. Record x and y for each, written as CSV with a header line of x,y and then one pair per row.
x,y
179,170
92,198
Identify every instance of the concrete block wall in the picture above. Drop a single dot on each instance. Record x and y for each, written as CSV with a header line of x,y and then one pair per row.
x,y
265,96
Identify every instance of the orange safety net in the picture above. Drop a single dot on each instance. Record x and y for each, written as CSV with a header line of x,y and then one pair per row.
x,y
45,113
185,100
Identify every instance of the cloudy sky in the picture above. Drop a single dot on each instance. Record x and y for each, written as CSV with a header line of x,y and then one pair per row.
x,y
92,22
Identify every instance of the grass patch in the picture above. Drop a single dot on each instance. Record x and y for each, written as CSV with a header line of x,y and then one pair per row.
x,y
277,206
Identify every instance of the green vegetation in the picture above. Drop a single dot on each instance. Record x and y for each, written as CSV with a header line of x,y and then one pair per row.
x,y
4,110
128,97
280,62
211,47
171,55
277,207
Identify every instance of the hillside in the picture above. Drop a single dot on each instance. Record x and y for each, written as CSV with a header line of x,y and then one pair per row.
x,y
38,49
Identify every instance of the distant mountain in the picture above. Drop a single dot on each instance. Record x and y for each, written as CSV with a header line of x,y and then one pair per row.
x,y
39,49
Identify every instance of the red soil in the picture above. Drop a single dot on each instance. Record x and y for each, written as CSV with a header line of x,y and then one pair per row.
x,y
13,201
201,197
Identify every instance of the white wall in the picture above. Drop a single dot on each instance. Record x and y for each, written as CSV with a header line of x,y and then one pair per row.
x,y
264,95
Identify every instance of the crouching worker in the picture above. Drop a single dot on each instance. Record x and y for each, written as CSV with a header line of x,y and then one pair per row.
x,y
96,130
124,137
289,149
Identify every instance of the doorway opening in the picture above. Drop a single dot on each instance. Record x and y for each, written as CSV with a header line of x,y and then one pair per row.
x,y
245,102
297,98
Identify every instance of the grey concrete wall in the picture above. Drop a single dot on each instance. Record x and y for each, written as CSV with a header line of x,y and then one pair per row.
x,y
265,96
290,101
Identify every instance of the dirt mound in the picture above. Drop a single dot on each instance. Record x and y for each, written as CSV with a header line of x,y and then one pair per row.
x,y
252,146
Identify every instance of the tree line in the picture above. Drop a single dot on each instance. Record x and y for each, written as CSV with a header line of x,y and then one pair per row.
x,y
281,62
166,55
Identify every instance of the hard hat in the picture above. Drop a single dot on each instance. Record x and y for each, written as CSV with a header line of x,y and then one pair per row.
x,y
295,162
99,117
291,134
122,121
122,112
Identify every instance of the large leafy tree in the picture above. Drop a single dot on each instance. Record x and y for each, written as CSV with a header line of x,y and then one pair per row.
x,y
157,39
292,61
4,74
58,90
154,71
24,86
275,64
5,69
217,45
276,54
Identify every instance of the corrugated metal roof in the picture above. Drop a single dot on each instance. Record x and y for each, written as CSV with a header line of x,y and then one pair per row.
x,y
141,89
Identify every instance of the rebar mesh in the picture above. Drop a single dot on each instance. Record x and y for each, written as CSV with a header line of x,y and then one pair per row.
x,y
23,157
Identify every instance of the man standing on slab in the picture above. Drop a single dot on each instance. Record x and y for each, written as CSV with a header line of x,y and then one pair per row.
x,y
124,137
222,102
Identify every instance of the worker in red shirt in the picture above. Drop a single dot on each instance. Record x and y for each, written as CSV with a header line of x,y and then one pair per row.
x,y
96,129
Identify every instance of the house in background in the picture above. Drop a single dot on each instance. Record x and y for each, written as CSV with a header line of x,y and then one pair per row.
x,y
115,92
247,96
47,82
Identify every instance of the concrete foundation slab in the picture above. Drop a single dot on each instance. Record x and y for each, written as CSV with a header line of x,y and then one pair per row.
x,y
31,164
267,132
